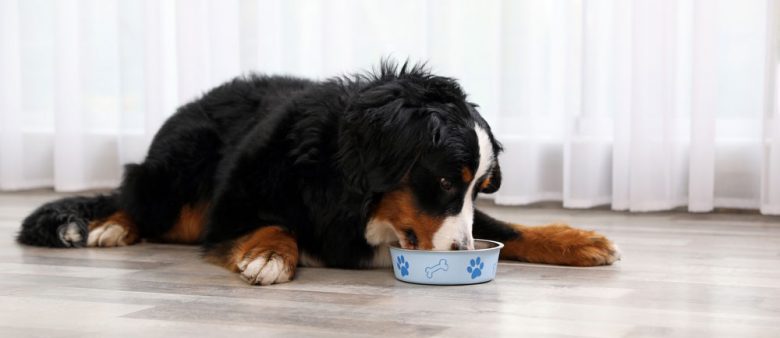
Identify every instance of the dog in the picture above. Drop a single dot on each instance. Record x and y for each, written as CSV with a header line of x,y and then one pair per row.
x,y
268,173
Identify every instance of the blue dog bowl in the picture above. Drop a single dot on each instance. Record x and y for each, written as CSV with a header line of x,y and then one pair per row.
x,y
447,267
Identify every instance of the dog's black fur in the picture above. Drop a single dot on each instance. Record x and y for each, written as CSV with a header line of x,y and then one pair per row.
x,y
313,156
317,160
47,224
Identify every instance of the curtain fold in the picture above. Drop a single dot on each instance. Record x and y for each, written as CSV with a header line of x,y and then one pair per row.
x,y
770,139
12,163
641,105
70,155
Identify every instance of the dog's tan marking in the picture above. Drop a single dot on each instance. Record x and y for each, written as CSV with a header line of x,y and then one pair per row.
x,y
397,209
266,256
115,230
189,227
485,184
561,245
466,174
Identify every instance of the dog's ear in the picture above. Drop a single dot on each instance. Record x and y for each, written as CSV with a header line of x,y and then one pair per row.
x,y
381,138
493,182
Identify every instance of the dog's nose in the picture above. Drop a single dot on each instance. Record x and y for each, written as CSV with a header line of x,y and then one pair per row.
x,y
459,245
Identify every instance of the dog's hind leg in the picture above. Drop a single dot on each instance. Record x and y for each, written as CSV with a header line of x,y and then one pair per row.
x,y
66,222
115,230
268,255
168,194
557,244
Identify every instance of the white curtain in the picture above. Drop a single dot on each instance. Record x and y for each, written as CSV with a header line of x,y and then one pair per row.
x,y
642,105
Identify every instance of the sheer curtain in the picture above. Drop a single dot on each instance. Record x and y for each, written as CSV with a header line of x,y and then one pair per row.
x,y
642,105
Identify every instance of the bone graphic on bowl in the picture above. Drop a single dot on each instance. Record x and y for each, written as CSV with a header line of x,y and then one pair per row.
x,y
431,269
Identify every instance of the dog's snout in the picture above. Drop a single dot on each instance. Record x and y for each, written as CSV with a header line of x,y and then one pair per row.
x,y
460,245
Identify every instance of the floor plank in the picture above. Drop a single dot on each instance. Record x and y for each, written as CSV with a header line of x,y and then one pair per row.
x,y
682,275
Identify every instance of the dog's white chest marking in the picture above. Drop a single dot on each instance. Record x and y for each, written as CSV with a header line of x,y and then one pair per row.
x,y
379,231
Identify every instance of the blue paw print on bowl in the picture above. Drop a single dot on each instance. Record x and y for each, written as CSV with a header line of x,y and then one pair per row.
x,y
475,267
403,265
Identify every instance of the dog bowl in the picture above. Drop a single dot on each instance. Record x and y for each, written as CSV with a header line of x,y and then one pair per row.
x,y
447,267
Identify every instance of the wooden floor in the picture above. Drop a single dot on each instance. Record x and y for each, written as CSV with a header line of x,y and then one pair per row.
x,y
682,275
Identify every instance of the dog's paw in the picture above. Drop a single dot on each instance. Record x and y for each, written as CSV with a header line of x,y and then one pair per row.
x,y
562,245
593,249
72,234
265,268
109,235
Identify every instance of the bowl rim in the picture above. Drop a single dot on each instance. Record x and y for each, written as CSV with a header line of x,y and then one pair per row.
x,y
498,246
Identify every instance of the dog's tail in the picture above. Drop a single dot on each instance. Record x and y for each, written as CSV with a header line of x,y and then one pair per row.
x,y
64,222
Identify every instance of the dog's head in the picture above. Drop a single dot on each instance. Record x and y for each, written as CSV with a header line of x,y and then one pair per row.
x,y
413,141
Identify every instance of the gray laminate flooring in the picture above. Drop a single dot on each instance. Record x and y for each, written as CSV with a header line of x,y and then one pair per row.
x,y
682,275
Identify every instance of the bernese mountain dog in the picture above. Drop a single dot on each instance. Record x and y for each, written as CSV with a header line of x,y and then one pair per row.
x,y
269,173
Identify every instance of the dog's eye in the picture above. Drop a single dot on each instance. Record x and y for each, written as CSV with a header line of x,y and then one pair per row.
x,y
445,184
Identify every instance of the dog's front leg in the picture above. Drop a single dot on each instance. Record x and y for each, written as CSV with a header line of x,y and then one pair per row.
x,y
267,255
557,244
